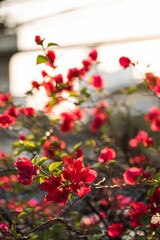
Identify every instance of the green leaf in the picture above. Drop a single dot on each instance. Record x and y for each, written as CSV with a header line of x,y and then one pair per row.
x,y
74,94
90,142
76,146
54,165
22,215
52,44
35,159
29,92
41,59
96,165
145,219
151,191
70,196
95,236
41,161
157,176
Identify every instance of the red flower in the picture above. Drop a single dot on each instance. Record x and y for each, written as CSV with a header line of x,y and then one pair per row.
x,y
51,145
75,178
28,111
93,55
106,155
154,117
4,229
26,170
35,84
156,196
138,209
44,74
58,78
79,176
13,111
51,56
97,81
131,174
2,155
66,122
38,39
6,120
153,114
86,64
152,80
115,230
124,62
141,138
4,99
73,73
97,121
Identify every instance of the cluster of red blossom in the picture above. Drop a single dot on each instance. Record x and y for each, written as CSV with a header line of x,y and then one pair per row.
x,y
73,178
8,117
57,84
141,138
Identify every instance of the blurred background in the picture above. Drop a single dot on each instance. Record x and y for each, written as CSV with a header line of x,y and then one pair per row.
x,y
114,27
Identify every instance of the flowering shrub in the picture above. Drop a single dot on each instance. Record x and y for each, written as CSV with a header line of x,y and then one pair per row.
x,y
90,173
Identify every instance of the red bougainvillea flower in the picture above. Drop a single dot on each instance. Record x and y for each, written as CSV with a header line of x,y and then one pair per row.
x,y
131,175
55,192
79,176
97,121
35,84
152,80
124,62
73,73
51,56
153,114
26,170
2,155
4,99
66,122
13,111
93,55
157,90
154,118
115,230
51,145
138,209
38,39
6,120
99,116
86,65
4,229
28,111
156,196
141,138
67,119
97,81
75,178
44,74
58,78
106,155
